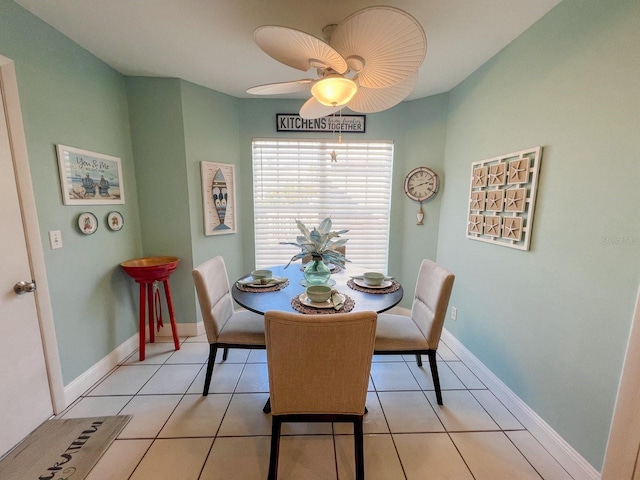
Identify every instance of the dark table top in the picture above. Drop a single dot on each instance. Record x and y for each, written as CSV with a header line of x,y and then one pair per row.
x,y
261,302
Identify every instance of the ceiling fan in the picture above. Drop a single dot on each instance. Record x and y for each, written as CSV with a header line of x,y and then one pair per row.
x,y
369,64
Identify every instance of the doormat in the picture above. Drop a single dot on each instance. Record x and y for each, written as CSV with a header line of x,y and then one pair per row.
x,y
64,449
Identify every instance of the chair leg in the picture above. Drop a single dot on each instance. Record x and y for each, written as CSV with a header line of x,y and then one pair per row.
x,y
276,423
358,444
434,373
419,359
267,406
213,349
225,353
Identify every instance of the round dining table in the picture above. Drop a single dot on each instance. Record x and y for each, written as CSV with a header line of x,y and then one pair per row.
x,y
262,301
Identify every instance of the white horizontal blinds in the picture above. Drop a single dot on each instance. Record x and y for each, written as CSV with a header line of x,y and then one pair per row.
x,y
296,179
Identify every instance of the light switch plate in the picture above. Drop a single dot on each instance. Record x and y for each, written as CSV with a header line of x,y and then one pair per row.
x,y
55,239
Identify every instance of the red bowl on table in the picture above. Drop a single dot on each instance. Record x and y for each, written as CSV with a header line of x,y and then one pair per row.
x,y
150,269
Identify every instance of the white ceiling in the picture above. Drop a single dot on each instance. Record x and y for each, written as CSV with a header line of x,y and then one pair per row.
x,y
210,42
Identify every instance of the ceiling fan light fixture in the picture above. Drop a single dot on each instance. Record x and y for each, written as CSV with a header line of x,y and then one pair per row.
x,y
334,91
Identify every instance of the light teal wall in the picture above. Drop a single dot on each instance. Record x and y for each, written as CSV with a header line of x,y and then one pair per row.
x,y
211,127
157,128
176,125
553,322
69,97
418,130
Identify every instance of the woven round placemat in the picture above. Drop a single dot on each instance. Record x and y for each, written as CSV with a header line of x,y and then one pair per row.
x,y
274,288
348,305
391,288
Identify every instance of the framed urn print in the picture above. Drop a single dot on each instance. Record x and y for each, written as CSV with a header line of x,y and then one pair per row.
x,y
502,198
219,198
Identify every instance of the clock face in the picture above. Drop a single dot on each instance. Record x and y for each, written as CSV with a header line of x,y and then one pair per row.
x,y
421,184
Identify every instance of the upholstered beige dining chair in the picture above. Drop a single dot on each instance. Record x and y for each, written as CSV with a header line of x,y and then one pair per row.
x,y
319,369
420,333
225,327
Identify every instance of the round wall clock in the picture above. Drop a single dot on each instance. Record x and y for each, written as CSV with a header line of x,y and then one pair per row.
x,y
421,184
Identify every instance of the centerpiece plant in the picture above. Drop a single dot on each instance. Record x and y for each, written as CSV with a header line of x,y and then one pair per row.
x,y
321,245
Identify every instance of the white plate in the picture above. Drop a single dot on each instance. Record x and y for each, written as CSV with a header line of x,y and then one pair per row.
x,y
330,283
306,301
259,285
384,284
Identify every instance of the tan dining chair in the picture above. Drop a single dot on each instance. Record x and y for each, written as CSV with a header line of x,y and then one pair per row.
x,y
225,327
319,368
419,333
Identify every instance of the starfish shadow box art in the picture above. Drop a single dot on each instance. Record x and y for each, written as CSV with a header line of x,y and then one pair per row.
x,y
502,197
218,198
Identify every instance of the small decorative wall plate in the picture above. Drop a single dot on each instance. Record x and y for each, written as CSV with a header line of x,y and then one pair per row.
x,y
87,223
115,221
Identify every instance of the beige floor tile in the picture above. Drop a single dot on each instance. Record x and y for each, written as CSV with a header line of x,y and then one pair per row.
x,y
198,339
236,355
223,380
446,353
245,416
387,358
461,412
97,406
404,404
466,376
197,416
431,455
150,412
190,353
303,428
125,380
238,458
374,420
409,412
181,458
120,460
380,458
171,379
168,338
393,376
254,378
448,379
154,354
497,410
257,356
542,461
491,456
307,457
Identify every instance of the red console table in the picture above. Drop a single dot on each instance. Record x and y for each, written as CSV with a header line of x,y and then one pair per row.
x,y
146,271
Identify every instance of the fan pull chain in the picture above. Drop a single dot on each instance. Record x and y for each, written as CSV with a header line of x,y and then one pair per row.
x,y
333,154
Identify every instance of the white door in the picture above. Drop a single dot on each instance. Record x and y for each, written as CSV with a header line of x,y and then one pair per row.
x,y
25,398
622,458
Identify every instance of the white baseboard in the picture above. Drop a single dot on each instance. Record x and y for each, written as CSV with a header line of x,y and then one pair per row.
x,y
85,381
564,453
184,329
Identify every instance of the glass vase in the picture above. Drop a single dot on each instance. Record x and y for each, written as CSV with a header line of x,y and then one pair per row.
x,y
316,272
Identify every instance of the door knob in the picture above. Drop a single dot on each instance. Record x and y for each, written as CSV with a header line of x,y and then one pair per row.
x,y
24,287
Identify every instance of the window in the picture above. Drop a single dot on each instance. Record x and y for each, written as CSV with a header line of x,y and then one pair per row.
x,y
297,180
